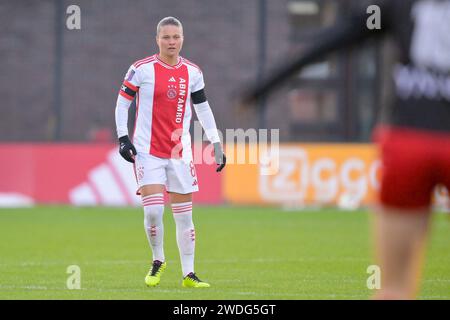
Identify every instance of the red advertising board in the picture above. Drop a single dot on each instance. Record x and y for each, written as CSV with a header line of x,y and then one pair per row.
x,y
82,174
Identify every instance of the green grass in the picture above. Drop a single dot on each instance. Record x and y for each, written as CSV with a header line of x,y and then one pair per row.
x,y
244,252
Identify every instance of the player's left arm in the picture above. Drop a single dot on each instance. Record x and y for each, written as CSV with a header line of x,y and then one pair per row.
x,y
206,118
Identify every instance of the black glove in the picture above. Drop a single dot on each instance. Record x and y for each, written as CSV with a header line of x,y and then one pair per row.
x,y
221,160
125,147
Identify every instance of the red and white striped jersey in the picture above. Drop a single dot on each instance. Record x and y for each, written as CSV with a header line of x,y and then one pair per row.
x,y
163,105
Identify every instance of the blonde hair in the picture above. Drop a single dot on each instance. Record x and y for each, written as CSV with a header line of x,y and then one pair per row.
x,y
172,21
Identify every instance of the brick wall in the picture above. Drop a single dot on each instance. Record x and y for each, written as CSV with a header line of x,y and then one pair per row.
x,y
220,36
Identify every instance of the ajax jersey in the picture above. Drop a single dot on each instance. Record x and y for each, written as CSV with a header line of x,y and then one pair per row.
x,y
163,105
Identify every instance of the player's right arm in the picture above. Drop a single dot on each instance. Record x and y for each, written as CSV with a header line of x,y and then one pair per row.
x,y
347,32
127,92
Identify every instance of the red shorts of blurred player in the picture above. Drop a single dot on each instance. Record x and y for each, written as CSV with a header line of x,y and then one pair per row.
x,y
413,163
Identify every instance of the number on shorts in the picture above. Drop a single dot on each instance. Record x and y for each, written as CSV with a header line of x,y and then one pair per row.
x,y
191,165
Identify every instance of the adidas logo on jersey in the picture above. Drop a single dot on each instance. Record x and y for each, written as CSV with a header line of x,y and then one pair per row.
x,y
172,80
195,183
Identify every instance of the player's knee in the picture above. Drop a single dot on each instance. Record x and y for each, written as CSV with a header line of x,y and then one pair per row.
x,y
153,214
184,221
153,208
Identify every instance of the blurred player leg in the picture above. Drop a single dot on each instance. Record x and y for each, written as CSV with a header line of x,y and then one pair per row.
x,y
400,242
409,175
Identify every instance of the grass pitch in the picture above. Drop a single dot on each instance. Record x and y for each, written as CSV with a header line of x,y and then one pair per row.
x,y
244,252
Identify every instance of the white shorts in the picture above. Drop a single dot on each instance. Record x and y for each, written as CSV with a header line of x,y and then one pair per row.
x,y
177,175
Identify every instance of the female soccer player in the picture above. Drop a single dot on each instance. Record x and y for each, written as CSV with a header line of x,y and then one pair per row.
x,y
165,85
415,141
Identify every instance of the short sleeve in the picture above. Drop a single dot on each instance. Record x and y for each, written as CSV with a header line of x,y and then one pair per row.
x,y
130,84
197,81
132,76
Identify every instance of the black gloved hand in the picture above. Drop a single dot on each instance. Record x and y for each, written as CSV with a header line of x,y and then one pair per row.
x,y
125,147
221,160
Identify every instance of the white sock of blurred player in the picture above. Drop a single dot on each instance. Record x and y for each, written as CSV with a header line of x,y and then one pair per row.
x,y
182,213
153,222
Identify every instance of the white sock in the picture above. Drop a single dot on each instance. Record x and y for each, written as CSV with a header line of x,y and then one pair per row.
x,y
153,223
182,213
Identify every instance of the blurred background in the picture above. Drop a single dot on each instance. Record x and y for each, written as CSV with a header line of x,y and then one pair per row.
x,y
59,87
68,199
